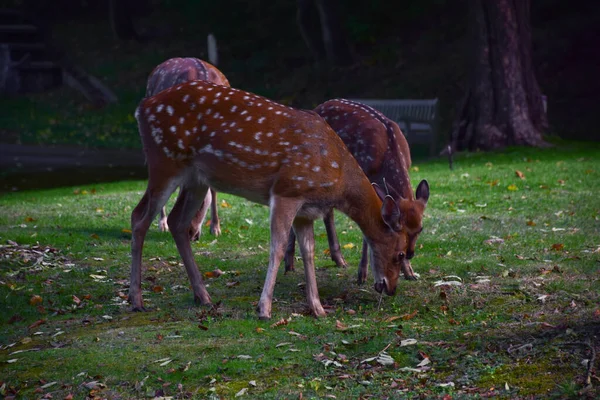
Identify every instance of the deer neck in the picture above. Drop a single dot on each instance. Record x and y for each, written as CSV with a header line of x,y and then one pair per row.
x,y
362,205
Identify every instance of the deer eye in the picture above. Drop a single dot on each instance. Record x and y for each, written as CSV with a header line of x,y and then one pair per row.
x,y
398,259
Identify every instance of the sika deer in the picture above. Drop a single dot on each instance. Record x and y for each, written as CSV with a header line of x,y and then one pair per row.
x,y
170,73
199,135
382,152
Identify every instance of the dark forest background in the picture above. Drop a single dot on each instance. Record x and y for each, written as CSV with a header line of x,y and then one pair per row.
x,y
401,49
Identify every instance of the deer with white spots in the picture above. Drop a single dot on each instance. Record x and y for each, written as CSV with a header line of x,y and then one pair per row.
x,y
170,73
380,148
199,135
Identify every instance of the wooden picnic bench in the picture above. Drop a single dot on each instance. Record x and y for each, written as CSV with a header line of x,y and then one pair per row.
x,y
418,118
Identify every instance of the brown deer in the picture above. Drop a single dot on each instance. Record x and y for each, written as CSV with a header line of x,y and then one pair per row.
x,y
199,135
170,73
380,148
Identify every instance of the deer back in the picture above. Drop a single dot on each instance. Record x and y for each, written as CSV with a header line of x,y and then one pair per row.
x,y
177,70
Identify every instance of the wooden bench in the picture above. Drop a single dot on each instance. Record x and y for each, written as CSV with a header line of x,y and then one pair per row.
x,y
418,119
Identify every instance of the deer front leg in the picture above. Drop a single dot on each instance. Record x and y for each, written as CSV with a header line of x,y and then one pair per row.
x,y
334,243
364,263
189,201
290,252
306,240
282,213
215,224
407,271
141,219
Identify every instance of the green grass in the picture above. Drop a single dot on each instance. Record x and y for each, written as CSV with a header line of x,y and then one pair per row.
x,y
505,331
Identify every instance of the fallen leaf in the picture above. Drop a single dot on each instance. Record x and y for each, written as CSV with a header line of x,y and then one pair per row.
x,y
225,204
37,323
29,219
241,392
157,289
557,246
126,230
512,188
244,357
349,246
519,174
259,330
76,300
426,361
408,342
252,383
531,223
94,236
35,300
213,274
281,322
232,283
407,317
340,326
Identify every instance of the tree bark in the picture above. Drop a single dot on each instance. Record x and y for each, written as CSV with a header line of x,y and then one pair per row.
x,y
121,20
503,104
321,27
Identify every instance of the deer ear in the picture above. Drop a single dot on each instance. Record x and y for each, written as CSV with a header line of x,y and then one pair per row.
x,y
380,192
422,193
391,213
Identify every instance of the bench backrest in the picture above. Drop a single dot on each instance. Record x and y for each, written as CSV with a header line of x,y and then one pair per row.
x,y
421,110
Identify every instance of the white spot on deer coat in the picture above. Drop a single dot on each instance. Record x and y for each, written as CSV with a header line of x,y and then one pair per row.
x,y
170,110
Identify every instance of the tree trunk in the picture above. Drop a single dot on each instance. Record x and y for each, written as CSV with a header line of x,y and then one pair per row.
x,y
121,20
503,104
323,32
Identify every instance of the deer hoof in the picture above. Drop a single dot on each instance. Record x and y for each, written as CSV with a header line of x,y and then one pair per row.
x,y
215,229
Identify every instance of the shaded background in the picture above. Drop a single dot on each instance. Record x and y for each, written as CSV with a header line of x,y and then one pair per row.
x,y
404,49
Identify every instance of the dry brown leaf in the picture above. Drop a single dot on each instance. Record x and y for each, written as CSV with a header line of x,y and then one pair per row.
x,y
94,236
281,322
259,330
340,326
37,323
35,300
157,289
519,174
413,314
557,246
531,223
76,300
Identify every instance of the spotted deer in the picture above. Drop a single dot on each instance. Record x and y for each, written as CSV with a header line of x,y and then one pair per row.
x,y
170,73
199,135
380,148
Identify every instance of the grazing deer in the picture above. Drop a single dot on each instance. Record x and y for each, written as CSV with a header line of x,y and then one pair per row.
x,y
199,135
170,73
382,152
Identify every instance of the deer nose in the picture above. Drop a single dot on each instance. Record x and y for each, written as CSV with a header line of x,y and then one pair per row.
x,y
410,254
379,286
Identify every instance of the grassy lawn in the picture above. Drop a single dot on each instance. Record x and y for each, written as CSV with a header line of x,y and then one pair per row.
x,y
507,302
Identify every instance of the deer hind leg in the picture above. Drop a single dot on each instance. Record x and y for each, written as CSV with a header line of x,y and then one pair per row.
x,y
334,243
141,219
189,201
363,266
215,224
290,252
282,213
306,240
163,226
196,225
